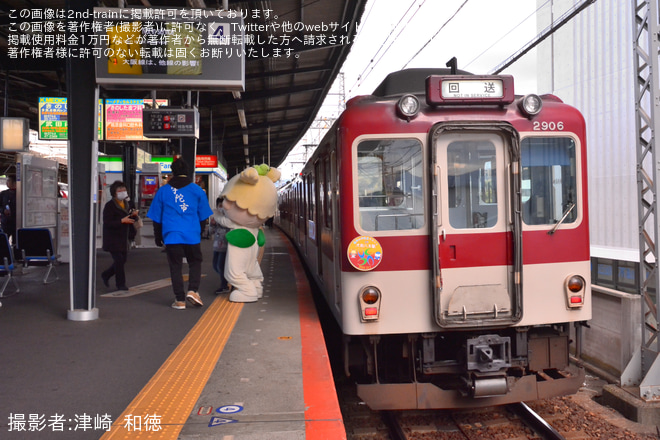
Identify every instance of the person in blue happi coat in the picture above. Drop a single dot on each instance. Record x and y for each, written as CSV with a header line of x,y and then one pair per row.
x,y
178,210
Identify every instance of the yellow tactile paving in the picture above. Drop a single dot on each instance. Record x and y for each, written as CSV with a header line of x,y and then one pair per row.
x,y
164,404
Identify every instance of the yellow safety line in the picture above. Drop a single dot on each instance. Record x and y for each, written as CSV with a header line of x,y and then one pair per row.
x,y
166,402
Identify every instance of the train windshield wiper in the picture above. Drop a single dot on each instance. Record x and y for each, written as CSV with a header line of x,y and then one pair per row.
x,y
561,220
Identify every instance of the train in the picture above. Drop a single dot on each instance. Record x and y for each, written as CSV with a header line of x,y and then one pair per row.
x,y
444,219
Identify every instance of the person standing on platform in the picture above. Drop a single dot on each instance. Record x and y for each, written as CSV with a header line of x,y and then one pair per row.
x,y
118,219
178,210
219,245
8,203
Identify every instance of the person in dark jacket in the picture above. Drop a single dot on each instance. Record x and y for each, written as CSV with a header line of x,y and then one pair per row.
x,y
8,204
118,219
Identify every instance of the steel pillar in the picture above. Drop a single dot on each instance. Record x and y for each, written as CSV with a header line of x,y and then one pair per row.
x,y
644,368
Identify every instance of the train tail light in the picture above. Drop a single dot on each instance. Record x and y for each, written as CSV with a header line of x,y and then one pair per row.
x,y
530,105
369,299
575,288
408,106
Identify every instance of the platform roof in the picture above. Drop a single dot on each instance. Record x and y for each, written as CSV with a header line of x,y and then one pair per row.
x,y
282,94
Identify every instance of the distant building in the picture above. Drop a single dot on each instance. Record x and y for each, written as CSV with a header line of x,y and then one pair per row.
x,y
588,63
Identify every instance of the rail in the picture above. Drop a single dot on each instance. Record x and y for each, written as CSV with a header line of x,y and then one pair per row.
x,y
441,424
534,421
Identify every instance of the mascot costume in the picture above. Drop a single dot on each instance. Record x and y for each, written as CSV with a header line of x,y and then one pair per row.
x,y
250,198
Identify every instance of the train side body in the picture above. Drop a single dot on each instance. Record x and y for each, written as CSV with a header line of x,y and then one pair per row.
x,y
452,244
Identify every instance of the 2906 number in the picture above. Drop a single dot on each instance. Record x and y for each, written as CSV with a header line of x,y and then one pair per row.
x,y
548,126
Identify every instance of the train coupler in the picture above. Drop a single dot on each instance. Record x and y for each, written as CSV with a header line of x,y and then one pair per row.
x,y
488,353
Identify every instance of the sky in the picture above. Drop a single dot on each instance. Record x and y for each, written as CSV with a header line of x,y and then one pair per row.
x,y
394,35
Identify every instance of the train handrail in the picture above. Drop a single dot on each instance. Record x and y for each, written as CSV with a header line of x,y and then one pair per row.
x,y
396,219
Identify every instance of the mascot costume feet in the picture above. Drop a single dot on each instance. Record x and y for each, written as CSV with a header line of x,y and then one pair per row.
x,y
250,199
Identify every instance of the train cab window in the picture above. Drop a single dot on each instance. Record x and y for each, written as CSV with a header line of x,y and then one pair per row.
x,y
549,188
472,184
389,183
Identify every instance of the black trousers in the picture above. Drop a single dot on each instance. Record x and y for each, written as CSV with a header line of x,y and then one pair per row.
x,y
175,255
117,268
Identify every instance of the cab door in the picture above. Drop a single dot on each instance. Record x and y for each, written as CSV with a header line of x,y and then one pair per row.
x,y
477,260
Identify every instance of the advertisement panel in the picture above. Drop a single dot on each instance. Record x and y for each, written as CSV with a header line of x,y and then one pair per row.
x,y
123,119
53,119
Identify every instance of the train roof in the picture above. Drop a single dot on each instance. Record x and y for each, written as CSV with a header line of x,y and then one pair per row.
x,y
410,81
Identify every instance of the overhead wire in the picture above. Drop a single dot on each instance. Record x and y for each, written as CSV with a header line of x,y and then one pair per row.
x,y
436,34
419,7
505,35
571,13
366,18
371,60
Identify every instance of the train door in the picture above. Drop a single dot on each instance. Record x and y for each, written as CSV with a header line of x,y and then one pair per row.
x,y
334,217
477,261
327,237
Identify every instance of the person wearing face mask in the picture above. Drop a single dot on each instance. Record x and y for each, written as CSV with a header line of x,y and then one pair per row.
x,y
118,218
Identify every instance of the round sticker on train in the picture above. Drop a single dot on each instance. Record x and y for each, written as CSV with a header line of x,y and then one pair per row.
x,y
365,253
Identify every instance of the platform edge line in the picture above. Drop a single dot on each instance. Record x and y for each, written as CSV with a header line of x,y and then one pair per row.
x,y
316,392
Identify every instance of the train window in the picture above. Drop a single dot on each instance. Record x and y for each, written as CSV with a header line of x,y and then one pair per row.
x,y
389,175
319,170
327,195
311,198
472,184
549,181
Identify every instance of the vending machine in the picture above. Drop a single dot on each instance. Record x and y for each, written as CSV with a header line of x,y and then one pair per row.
x,y
149,184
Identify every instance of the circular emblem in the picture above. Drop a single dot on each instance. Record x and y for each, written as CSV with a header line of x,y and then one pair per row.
x,y
229,409
365,253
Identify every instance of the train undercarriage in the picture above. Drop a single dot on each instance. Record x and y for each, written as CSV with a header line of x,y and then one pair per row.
x,y
462,370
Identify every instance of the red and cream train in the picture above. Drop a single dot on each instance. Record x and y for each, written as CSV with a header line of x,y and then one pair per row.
x,y
445,221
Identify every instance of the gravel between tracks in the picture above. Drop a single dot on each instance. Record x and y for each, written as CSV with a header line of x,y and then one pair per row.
x,y
576,417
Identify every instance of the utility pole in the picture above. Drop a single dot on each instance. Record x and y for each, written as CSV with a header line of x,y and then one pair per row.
x,y
644,368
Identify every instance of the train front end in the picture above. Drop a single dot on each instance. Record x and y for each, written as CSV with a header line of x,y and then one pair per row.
x,y
465,227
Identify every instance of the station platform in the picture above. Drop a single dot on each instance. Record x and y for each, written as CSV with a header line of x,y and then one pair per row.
x,y
225,371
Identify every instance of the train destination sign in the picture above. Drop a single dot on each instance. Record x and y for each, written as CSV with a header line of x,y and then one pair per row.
x,y
465,89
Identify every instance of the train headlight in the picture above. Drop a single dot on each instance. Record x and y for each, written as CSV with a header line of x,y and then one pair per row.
x,y
369,299
408,106
531,104
575,287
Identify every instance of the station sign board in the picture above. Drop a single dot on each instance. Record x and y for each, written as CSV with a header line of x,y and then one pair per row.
x,y
171,122
206,161
174,49
201,161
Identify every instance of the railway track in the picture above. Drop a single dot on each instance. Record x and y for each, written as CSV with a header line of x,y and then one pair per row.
x,y
569,419
516,421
